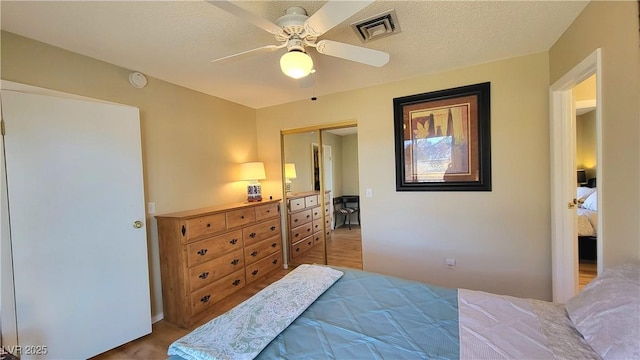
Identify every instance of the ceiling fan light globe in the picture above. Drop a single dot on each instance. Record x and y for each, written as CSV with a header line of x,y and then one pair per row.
x,y
296,64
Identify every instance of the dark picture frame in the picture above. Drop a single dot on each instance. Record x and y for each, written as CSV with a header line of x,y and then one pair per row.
x,y
443,140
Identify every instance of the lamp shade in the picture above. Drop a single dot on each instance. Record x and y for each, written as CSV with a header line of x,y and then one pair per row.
x,y
296,64
290,171
252,171
582,176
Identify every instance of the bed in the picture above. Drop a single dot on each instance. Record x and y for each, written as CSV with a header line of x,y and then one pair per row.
x,y
320,312
587,213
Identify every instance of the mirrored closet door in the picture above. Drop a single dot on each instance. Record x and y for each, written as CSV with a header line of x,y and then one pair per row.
x,y
304,211
321,192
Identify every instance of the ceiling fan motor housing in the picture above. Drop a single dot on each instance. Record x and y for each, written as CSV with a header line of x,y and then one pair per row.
x,y
292,22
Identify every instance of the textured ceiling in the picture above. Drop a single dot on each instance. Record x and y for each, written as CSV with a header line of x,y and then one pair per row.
x,y
176,40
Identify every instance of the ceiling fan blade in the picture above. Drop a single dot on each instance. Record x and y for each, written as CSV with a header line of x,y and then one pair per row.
x,y
248,16
353,53
264,49
332,14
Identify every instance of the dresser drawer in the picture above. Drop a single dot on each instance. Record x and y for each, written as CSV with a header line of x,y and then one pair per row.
x,y
317,212
267,211
210,294
301,232
255,233
203,226
299,218
209,272
263,267
301,247
240,217
311,201
317,225
207,249
296,204
317,238
263,248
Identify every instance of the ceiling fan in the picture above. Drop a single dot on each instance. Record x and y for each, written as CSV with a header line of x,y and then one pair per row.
x,y
297,31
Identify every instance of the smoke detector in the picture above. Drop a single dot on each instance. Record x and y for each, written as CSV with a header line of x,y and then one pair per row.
x,y
377,26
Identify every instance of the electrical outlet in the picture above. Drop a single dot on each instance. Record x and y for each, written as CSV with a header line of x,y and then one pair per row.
x,y
451,262
369,193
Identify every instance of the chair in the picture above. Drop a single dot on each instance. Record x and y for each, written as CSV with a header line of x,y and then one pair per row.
x,y
346,206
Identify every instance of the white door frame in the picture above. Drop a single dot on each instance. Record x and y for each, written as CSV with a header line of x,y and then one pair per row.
x,y
564,246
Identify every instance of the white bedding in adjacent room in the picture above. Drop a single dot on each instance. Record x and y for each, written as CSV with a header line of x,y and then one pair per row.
x,y
587,222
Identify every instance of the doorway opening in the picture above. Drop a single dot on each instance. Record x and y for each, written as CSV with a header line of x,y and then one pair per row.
x,y
564,201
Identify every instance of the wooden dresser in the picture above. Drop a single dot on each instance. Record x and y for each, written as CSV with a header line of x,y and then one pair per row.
x,y
208,254
306,225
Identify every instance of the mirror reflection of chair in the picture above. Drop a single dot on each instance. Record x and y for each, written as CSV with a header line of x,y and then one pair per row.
x,y
346,206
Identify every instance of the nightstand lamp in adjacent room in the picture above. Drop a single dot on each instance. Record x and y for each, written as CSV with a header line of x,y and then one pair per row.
x,y
289,173
253,171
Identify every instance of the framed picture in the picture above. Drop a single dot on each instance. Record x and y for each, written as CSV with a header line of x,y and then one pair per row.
x,y
442,140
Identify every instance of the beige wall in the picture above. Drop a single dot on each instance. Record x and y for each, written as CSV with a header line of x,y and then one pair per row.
x,y
350,168
191,143
500,239
613,27
586,143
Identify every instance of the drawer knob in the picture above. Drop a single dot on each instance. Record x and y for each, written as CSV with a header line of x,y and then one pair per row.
x,y
204,275
275,261
309,243
236,282
274,244
297,249
254,272
241,216
308,216
184,230
208,225
205,298
296,235
235,262
233,241
255,253
272,228
296,220
268,211
252,235
201,252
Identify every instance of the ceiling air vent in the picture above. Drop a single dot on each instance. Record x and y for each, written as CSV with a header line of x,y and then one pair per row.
x,y
377,26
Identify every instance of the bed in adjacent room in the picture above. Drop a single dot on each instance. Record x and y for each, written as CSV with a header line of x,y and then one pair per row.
x,y
320,312
587,213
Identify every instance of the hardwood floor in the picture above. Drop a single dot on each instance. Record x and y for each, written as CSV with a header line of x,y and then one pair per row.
x,y
587,272
344,248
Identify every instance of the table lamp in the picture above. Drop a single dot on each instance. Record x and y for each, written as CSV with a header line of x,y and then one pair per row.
x,y
253,171
289,173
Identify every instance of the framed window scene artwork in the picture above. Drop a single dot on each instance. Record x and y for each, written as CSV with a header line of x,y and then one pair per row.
x,y
443,140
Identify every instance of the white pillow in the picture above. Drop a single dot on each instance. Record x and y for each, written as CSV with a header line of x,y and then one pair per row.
x,y
591,202
584,192
607,312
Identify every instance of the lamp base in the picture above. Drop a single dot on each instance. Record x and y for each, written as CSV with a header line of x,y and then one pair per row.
x,y
254,192
287,187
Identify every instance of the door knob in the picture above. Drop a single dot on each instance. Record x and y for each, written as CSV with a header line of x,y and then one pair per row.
x,y
137,224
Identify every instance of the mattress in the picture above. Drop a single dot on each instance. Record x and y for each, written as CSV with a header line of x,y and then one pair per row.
x,y
587,222
363,315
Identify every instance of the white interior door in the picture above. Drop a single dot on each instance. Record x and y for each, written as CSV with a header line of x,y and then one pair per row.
x,y
75,189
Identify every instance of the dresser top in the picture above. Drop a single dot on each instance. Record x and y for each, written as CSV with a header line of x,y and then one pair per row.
x,y
215,209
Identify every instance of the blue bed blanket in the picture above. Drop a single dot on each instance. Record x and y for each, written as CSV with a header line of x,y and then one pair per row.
x,y
372,316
